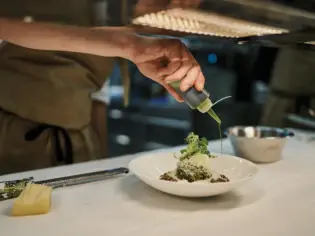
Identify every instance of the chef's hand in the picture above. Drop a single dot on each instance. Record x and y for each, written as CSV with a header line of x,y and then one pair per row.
x,y
168,60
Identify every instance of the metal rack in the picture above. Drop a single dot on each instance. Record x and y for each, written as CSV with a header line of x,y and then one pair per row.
x,y
258,22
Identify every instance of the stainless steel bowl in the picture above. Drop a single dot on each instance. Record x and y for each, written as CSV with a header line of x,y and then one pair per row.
x,y
258,144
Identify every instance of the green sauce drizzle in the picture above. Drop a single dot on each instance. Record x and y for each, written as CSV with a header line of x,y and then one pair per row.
x,y
217,119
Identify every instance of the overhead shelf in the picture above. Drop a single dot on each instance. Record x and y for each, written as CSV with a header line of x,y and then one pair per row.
x,y
262,22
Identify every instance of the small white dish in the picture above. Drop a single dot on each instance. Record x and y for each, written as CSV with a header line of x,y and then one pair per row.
x,y
150,167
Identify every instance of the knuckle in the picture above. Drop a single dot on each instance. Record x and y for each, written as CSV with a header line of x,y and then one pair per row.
x,y
188,81
177,42
195,66
195,69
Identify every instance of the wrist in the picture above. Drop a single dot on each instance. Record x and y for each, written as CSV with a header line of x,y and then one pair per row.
x,y
111,42
136,47
128,44
125,41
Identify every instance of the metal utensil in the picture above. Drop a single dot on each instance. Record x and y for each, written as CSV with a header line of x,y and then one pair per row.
x,y
12,189
305,118
258,144
83,178
308,122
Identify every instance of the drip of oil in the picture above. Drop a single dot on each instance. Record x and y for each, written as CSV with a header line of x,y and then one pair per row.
x,y
217,119
200,100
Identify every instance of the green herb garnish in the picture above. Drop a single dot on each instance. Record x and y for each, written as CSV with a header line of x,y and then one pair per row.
x,y
12,189
194,145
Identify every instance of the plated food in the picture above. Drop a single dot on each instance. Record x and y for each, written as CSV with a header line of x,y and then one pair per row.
x,y
194,172
194,163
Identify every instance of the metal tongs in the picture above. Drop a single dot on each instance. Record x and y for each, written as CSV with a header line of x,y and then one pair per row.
x,y
12,189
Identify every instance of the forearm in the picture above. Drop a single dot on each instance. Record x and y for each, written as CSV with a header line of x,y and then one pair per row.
x,y
107,41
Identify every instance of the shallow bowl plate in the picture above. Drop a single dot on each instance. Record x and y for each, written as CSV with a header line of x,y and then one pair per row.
x,y
150,167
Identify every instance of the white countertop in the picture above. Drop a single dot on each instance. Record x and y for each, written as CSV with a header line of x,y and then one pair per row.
x,y
280,200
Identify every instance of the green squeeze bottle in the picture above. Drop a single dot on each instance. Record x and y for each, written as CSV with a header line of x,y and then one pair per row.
x,y
198,100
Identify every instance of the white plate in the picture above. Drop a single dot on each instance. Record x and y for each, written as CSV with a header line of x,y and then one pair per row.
x,y
148,168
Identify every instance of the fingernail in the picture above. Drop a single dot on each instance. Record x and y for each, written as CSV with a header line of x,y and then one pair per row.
x,y
200,85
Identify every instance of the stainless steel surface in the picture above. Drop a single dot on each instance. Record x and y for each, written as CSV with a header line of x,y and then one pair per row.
x,y
258,144
263,12
230,19
83,178
204,23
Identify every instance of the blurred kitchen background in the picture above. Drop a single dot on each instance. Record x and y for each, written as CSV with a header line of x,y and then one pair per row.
x,y
155,120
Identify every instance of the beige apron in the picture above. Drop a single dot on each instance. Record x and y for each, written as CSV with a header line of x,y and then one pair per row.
x,y
45,97
293,76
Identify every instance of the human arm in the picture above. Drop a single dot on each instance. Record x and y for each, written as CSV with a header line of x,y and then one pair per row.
x,y
162,60
107,41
